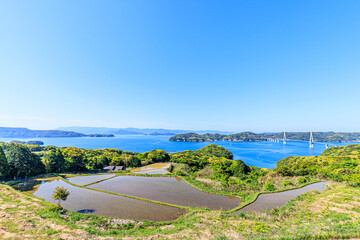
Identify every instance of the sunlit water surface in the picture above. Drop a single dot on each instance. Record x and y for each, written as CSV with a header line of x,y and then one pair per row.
x,y
103,204
259,154
167,189
270,200
84,180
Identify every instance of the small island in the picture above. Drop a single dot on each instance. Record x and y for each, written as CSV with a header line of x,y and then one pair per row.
x,y
101,135
40,143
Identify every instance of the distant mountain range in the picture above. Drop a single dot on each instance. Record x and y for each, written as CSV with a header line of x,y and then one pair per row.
x,y
7,132
142,131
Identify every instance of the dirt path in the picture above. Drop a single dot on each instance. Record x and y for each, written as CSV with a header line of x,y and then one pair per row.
x,y
156,168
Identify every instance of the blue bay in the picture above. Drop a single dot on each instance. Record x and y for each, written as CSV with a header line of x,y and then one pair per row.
x,y
259,154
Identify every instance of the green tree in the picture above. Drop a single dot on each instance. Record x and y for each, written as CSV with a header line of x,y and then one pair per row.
x,y
157,156
55,161
239,169
269,186
116,161
135,161
4,166
200,158
222,168
22,162
76,158
59,194
216,151
100,162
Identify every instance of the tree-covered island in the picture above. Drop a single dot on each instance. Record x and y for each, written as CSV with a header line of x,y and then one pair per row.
x,y
252,137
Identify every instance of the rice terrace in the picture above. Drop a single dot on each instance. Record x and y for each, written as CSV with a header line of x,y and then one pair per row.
x,y
211,186
191,120
168,192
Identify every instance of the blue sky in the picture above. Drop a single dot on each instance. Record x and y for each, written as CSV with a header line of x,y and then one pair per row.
x,y
226,65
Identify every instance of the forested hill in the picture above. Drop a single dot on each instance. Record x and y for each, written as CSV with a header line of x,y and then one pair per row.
x,y
252,137
6,132
337,163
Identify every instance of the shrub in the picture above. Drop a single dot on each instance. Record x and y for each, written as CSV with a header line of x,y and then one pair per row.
x,y
180,173
287,183
344,171
269,186
60,193
302,180
275,211
193,175
171,168
207,171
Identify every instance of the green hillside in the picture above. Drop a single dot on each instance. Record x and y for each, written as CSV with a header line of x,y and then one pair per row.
x,y
337,163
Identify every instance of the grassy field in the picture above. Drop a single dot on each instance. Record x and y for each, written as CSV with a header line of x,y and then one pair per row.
x,y
333,213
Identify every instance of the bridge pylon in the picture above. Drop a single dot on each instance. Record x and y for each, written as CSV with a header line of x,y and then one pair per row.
x,y
311,141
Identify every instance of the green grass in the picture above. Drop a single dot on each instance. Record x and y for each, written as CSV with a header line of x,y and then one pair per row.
x,y
298,219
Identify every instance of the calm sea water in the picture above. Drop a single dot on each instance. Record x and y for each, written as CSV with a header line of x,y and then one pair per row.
x,y
103,204
166,189
259,154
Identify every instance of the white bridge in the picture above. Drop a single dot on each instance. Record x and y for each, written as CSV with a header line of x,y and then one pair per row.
x,y
311,140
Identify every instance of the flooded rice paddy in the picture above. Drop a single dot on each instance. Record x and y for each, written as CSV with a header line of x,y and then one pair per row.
x,y
84,180
103,204
270,200
164,189
168,190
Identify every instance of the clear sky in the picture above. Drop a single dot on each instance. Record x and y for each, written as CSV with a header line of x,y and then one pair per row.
x,y
189,64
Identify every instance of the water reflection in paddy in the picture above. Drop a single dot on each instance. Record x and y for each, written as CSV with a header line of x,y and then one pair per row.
x,y
103,204
83,180
271,200
165,189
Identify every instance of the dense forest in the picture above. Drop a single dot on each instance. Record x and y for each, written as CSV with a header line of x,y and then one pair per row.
x,y
18,160
212,162
252,137
340,164
215,162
